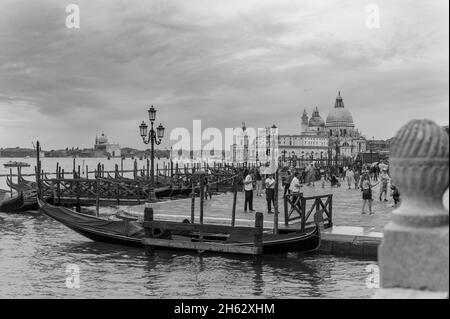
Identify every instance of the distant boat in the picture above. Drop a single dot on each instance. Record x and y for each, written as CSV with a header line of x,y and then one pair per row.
x,y
16,164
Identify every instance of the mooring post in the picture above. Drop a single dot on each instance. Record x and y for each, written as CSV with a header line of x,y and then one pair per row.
x,y
233,212
58,186
258,235
87,172
78,208
330,211
275,205
303,212
73,168
11,178
193,199
414,254
97,196
286,210
202,193
57,170
121,165
148,217
79,172
38,168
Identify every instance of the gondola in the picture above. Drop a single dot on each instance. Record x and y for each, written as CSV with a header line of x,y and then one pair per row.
x,y
131,232
12,205
22,185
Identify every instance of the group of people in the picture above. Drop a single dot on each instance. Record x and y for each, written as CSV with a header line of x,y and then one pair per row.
x,y
254,179
365,179
366,186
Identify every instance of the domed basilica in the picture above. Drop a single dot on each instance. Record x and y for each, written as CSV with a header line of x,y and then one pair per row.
x,y
322,139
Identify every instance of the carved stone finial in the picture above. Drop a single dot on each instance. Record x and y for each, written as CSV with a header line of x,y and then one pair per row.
x,y
414,253
419,168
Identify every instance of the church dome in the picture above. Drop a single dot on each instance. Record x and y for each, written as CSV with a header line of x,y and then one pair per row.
x,y
316,119
339,116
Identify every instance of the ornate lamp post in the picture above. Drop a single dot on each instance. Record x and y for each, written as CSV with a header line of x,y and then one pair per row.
x,y
154,137
371,150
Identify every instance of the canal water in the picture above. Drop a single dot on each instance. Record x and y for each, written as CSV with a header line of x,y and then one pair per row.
x,y
37,258
40,258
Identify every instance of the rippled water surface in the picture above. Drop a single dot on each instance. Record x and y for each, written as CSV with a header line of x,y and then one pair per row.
x,y
35,250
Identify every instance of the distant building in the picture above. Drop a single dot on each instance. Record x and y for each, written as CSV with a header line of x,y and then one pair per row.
x,y
19,152
102,144
319,139
311,143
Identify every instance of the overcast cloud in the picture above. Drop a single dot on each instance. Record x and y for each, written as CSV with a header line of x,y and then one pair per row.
x,y
223,62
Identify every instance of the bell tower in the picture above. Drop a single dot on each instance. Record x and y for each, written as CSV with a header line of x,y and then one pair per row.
x,y
304,125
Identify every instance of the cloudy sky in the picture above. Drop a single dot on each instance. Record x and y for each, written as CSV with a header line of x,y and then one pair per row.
x,y
223,62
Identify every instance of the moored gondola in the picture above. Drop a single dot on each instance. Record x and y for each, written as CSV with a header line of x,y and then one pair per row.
x,y
131,232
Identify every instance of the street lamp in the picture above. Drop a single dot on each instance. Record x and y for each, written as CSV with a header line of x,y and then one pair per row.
x,y
371,150
153,137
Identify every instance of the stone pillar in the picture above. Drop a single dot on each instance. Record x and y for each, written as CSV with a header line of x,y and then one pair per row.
x,y
414,254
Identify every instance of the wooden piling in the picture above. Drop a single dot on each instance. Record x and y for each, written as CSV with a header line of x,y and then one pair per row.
x,y
233,213
202,193
275,205
148,217
193,200
97,197
10,177
38,169
73,168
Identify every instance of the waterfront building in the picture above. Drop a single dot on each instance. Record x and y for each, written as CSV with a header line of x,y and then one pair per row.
x,y
102,144
321,140
311,143
344,138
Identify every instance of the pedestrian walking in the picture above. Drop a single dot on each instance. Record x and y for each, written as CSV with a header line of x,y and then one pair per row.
x,y
270,192
366,189
287,183
350,177
356,178
295,188
248,189
259,181
384,180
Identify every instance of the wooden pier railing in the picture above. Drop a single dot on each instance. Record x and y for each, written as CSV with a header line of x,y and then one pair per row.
x,y
296,208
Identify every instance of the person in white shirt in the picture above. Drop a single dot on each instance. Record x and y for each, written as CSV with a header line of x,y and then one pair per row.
x,y
295,184
270,192
295,189
248,189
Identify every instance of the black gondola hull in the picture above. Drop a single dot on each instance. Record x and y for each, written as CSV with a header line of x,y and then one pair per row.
x,y
293,242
